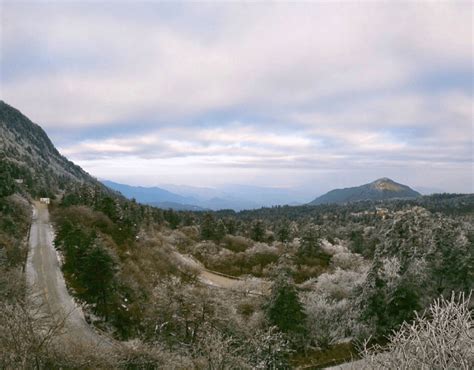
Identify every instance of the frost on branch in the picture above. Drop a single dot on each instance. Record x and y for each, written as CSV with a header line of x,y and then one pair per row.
x,y
443,338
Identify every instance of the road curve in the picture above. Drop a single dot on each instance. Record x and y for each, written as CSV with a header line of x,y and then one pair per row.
x,y
214,279
47,288
353,365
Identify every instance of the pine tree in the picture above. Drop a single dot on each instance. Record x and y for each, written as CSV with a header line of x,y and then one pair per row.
x,y
220,232
310,242
284,233
208,227
258,231
97,275
172,217
284,309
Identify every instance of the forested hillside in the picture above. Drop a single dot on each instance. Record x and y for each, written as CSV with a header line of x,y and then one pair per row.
x,y
27,154
299,286
381,189
333,276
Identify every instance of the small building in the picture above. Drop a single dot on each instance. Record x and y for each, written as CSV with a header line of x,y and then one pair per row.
x,y
45,200
19,181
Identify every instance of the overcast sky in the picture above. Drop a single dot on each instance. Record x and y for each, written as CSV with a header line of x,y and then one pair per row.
x,y
311,95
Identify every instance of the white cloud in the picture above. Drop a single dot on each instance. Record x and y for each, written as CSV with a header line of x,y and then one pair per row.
x,y
324,86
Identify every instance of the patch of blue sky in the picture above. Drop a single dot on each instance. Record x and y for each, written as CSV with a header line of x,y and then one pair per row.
x,y
412,134
444,80
24,62
61,136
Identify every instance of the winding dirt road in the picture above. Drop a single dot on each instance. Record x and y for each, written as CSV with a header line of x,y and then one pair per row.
x,y
48,288
214,279
49,296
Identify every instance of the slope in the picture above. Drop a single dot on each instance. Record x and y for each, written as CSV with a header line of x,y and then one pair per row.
x,y
380,189
27,154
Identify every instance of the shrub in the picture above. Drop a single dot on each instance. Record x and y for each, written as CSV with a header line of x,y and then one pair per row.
x,y
340,284
237,243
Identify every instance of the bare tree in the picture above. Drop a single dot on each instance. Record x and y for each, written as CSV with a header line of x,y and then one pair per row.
x,y
443,338
26,336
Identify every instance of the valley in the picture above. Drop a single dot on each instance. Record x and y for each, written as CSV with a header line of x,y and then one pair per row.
x,y
223,185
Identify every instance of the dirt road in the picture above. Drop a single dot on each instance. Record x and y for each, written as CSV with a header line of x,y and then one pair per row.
x,y
353,365
212,278
47,286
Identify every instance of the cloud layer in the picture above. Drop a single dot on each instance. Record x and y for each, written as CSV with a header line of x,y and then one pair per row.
x,y
275,94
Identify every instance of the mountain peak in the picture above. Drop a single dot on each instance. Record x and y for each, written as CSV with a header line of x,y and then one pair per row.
x,y
380,189
386,184
383,179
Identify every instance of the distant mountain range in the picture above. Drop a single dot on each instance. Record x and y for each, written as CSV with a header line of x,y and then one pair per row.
x,y
183,197
380,189
239,197
148,195
27,153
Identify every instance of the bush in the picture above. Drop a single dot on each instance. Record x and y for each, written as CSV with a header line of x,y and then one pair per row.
x,y
237,243
340,284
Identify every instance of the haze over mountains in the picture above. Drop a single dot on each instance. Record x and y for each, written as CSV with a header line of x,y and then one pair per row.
x,y
248,197
25,145
130,265
236,185
236,197
27,151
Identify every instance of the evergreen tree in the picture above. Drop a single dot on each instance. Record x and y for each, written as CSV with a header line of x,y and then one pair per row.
x,y
284,309
172,217
257,232
106,205
97,275
220,232
357,239
284,232
310,242
230,225
402,303
208,226
7,186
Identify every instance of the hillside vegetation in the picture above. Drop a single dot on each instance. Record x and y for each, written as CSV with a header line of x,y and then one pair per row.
x,y
314,282
381,189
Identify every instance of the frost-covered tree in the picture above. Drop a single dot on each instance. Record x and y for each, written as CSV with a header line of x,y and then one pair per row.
x,y
326,319
440,339
271,350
